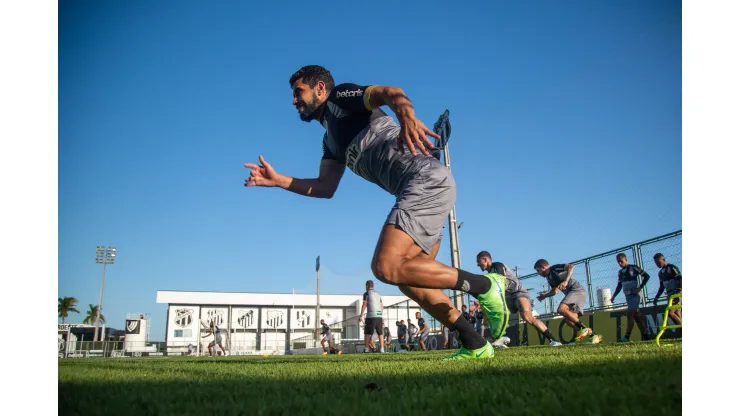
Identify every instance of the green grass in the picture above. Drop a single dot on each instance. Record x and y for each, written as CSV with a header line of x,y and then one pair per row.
x,y
636,378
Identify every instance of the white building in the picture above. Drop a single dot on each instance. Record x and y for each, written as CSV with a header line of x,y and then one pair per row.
x,y
268,322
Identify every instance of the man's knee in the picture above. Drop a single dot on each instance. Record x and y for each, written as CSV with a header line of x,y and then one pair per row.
x,y
563,308
386,270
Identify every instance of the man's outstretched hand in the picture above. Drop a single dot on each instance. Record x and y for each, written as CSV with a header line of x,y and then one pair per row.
x,y
263,175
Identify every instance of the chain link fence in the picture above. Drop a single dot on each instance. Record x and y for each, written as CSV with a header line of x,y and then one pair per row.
x,y
598,274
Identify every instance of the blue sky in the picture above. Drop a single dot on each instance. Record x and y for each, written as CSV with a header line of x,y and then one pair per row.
x,y
566,137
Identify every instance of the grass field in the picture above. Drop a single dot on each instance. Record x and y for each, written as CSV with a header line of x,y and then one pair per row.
x,y
631,379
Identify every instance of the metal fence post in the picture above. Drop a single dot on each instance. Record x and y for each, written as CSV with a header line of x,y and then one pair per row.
x,y
590,288
638,262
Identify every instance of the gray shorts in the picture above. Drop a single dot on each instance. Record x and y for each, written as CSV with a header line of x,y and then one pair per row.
x,y
424,204
423,336
512,298
216,341
576,301
633,301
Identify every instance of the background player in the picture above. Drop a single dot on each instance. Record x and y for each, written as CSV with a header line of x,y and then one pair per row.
x,y
327,338
560,278
423,331
374,319
216,331
670,280
628,280
517,296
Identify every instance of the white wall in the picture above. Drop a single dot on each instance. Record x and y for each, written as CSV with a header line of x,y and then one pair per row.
x,y
183,317
244,317
274,318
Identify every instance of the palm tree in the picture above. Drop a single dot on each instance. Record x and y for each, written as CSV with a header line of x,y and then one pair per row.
x,y
90,318
67,305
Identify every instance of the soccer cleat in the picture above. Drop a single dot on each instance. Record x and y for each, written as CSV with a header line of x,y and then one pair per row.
x,y
339,352
595,338
623,339
502,342
463,353
584,333
324,353
554,343
493,304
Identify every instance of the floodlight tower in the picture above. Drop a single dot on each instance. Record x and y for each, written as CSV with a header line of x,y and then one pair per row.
x,y
103,256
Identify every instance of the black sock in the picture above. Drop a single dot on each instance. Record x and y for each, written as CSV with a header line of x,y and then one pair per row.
x,y
581,326
627,334
469,338
549,335
475,284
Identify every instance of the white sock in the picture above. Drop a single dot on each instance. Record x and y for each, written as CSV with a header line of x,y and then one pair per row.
x,y
382,349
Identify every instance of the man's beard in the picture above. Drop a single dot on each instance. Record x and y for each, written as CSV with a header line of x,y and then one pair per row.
x,y
309,110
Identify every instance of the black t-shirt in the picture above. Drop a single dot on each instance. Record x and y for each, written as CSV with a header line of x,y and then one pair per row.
x,y
345,115
421,323
557,274
401,332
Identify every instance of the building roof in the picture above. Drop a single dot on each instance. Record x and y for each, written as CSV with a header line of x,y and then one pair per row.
x,y
268,299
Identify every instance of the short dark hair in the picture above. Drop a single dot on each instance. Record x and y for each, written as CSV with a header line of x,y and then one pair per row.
x,y
483,254
370,283
621,256
312,74
464,306
541,263
658,256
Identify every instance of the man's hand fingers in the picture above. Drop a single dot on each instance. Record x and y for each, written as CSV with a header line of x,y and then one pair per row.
x,y
251,166
264,163
431,133
410,144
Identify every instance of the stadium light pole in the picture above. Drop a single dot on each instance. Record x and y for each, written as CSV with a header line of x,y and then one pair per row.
x,y
103,256
443,128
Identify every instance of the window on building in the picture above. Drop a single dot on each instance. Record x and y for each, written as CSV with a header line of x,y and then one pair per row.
x,y
183,333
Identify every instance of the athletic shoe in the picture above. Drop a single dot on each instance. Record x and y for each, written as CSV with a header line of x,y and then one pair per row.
x,y
554,343
584,333
502,342
324,353
463,353
623,339
595,339
499,347
339,352
493,302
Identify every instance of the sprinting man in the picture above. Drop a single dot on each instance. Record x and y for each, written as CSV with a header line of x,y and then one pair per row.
x,y
216,331
560,278
423,331
374,319
327,339
628,280
517,296
395,157
670,281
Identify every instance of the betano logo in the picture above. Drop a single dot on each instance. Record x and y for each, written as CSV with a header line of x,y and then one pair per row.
x,y
351,93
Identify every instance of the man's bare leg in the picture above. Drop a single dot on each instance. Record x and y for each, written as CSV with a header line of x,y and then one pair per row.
x,y
675,314
571,319
525,311
397,262
436,302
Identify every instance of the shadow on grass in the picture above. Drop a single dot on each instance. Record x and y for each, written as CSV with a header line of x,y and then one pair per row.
x,y
649,385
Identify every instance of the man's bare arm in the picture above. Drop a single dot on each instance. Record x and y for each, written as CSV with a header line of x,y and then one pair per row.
x,y
330,173
394,97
